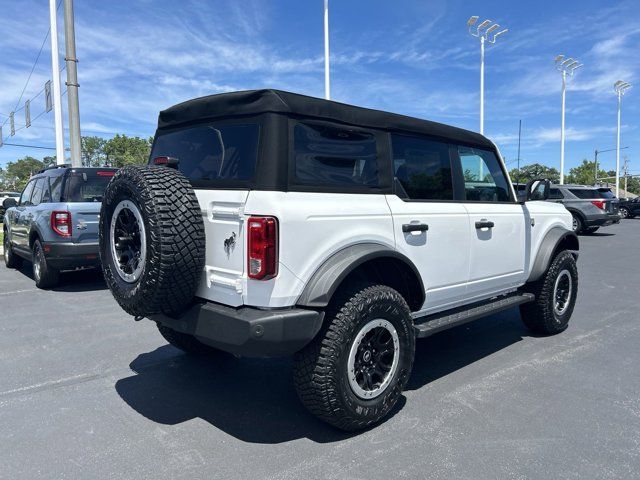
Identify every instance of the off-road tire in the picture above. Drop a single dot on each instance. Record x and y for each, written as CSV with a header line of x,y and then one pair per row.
x,y
11,260
185,342
540,316
578,224
320,370
174,239
44,275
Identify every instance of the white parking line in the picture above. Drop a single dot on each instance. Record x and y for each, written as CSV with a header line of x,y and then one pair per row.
x,y
20,291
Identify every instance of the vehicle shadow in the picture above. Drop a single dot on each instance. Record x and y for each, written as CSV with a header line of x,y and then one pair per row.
x,y
88,280
597,234
254,399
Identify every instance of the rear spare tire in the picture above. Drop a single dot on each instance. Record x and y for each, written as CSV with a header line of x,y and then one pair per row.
x,y
152,241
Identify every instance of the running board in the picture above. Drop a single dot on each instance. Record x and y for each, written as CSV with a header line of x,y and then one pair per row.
x,y
458,316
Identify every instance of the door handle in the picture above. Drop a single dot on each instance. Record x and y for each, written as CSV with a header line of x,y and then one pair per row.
x,y
484,224
415,227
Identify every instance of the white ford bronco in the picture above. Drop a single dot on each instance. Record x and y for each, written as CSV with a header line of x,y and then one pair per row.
x,y
269,223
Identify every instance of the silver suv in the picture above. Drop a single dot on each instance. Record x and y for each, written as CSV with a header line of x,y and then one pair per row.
x,y
54,223
590,207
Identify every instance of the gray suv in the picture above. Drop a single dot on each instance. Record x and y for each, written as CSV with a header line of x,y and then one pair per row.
x,y
590,207
54,223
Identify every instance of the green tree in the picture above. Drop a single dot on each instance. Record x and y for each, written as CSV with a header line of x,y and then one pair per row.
x,y
93,154
532,172
122,150
584,174
16,174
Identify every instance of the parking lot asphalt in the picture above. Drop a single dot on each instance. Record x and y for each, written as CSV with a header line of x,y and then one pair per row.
x,y
86,392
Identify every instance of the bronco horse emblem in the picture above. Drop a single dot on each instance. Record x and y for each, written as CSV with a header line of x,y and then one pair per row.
x,y
230,244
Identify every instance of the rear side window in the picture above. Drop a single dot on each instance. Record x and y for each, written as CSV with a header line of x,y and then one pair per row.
x,y
555,194
605,193
55,186
484,180
422,167
212,152
87,186
585,193
334,156
38,189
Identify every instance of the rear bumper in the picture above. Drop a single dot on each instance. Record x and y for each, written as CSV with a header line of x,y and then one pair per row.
x,y
247,331
602,220
71,255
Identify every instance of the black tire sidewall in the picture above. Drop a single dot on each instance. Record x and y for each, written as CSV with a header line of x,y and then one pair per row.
x,y
564,261
398,315
580,223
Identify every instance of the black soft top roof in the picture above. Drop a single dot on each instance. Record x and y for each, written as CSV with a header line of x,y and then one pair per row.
x,y
253,102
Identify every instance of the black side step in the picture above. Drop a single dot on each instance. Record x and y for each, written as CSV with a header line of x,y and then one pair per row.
x,y
458,316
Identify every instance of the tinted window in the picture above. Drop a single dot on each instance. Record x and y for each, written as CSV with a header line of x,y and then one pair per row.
x,y
25,198
326,155
606,193
36,197
585,193
555,194
87,186
483,176
422,167
56,188
212,151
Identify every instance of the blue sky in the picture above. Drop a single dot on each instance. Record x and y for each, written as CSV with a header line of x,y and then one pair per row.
x,y
413,57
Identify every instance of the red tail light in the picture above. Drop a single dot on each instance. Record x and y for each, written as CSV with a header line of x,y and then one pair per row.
x,y
105,173
61,223
599,204
262,251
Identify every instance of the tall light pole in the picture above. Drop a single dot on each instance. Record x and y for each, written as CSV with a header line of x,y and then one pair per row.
x,y
55,76
620,88
485,32
327,86
72,84
564,66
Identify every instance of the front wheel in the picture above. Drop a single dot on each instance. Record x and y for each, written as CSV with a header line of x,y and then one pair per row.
x,y
43,274
555,295
624,212
11,260
354,371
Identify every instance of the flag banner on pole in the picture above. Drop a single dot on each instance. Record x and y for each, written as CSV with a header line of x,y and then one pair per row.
x,y
12,124
48,102
27,113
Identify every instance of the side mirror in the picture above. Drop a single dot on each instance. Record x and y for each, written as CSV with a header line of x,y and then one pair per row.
x,y
9,202
538,190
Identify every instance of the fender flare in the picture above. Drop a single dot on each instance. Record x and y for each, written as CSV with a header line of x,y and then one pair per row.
x,y
327,278
548,247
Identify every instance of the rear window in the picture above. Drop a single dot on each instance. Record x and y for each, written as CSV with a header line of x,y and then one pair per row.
x,y
605,193
585,193
334,156
87,185
223,152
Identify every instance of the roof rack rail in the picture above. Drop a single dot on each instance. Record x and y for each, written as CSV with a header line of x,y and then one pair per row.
x,y
53,167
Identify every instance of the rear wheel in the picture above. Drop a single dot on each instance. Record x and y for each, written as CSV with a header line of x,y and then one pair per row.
x,y
555,295
577,224
353,373
185,342
624,212
11,260
43,274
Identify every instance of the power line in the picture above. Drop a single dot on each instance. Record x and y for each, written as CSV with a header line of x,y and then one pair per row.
x,y
30,146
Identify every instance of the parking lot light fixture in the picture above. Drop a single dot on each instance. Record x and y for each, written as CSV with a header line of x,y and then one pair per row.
x,y
485,33
566,66
620,88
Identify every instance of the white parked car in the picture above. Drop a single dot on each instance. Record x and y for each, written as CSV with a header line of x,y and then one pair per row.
x,y
270,223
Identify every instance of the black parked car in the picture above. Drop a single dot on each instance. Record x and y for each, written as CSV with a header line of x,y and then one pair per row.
x,y
629,207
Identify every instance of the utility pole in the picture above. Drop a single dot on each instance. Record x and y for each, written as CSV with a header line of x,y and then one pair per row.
x,y
327,86
55,74
72,84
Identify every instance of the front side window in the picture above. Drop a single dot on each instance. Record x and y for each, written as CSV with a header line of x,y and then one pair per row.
x,y
36,197
334,156
484,179
211,152
422,167
25,198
